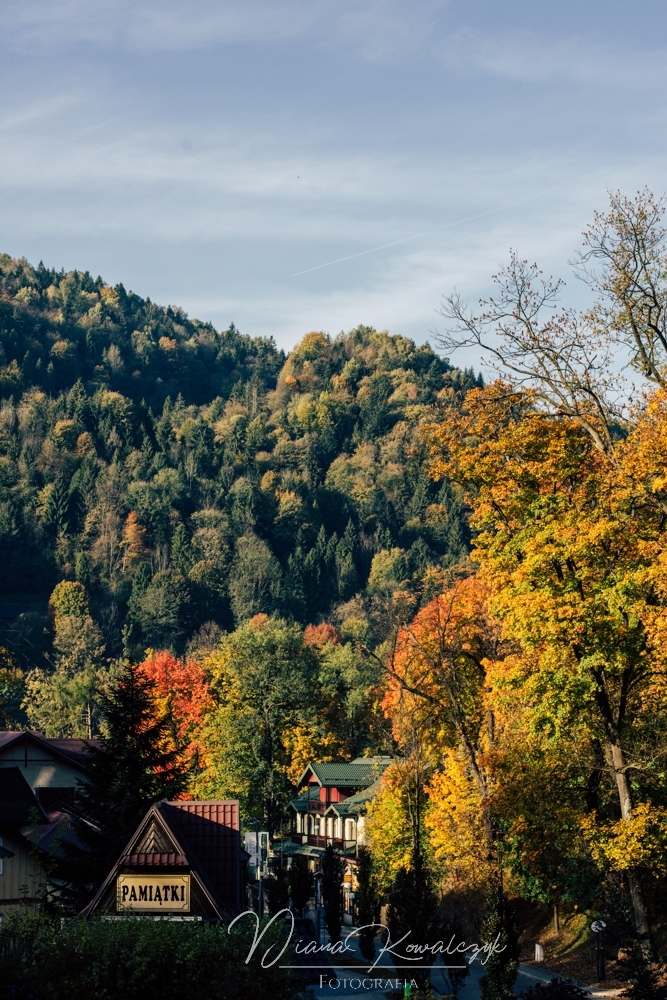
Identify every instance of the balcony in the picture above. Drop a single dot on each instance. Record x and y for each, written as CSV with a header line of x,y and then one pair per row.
x,y
313,840
317,806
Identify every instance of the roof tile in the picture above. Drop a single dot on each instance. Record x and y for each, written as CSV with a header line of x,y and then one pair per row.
x,y
168,860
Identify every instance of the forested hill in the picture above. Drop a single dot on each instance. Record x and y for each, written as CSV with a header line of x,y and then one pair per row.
x,y
187,476
58,327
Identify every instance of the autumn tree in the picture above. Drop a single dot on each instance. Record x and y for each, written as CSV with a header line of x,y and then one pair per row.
x,y
181,693
563,479
439,669
562,533
625,261
264,679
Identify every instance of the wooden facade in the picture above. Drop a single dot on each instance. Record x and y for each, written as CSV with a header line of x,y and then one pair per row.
x,y
181,853
38,779
22,877
53,764
332,808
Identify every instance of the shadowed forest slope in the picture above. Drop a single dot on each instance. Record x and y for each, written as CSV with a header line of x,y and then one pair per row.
x,y
190,477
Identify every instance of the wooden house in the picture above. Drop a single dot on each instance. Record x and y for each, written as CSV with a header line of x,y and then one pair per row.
x,y
38,783
332,807
22,874
52,767
184,861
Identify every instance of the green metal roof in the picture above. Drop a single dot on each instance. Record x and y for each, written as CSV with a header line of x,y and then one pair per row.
x,y
288,849
358,774
300,803
355,804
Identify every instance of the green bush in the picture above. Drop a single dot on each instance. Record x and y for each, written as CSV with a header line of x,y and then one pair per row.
x,y
135,958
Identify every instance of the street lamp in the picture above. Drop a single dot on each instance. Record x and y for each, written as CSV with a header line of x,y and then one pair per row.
x,y
598,927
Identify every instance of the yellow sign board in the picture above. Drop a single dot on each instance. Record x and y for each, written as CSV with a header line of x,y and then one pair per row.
x,y
153,893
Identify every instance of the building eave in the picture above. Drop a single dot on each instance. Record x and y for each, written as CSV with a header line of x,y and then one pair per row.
x,y
155,814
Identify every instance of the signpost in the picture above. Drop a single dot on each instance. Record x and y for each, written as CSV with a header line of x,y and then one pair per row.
x,y
257,846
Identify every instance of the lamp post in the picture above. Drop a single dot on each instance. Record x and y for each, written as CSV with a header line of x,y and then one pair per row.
x,y
598,927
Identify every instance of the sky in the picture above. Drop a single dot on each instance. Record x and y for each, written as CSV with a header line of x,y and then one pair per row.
x,y
297,165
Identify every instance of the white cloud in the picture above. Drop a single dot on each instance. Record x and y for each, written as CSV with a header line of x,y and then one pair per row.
x,y
379,30
530,57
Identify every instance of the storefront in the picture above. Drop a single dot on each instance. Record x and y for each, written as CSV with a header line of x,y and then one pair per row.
x,y
184,861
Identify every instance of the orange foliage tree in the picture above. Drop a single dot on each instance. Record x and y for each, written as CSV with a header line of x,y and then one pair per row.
x,y
440,676
181,691
569,537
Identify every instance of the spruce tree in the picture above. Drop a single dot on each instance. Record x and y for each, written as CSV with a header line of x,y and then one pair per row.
x,y
333,869
136,765
502,966
277,886
300,883
412,910
367,903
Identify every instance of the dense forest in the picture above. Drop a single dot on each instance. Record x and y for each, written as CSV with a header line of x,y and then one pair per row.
x,y
191,479
359,549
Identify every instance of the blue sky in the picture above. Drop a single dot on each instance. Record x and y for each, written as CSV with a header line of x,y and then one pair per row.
x,y
205,152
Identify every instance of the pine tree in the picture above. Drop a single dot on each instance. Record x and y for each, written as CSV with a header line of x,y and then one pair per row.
x,y
136,765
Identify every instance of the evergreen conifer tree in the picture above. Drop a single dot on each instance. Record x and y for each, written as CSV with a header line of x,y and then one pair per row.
x,y
367,903
182,558
333,869
277,885
136,765
502,966
300,883
413,911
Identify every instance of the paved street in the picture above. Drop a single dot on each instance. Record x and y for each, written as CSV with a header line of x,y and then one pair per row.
x,y
352,981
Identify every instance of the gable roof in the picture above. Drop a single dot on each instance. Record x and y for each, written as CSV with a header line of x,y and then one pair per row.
x,y
18,803
212,831
202,835
73,751
59,829
299,803
358,773
355,804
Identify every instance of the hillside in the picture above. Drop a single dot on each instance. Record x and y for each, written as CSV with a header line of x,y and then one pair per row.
x,y
189,476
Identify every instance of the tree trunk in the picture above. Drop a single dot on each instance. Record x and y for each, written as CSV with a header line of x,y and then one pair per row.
x,y
639,908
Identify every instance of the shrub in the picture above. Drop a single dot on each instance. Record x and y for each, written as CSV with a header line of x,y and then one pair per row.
x,y
135,958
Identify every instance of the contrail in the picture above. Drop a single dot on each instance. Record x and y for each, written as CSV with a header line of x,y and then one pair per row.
x,y
452,225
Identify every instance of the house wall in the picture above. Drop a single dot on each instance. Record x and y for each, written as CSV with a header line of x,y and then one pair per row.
x,y
22,878
38,766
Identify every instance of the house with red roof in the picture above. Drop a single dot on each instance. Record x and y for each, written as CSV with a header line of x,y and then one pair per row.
x,y
184,861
